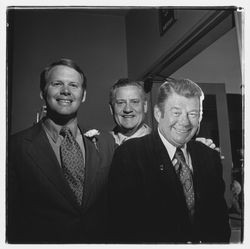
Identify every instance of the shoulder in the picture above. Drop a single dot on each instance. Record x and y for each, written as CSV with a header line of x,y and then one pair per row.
x,y
26,133
201,148
20,140
136,145
204,155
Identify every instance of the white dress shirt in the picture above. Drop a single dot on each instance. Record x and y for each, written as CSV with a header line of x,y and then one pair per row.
x,y
171,149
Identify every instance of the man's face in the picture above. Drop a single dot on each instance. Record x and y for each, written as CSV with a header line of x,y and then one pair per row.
x,y
63,92
180,120
129,108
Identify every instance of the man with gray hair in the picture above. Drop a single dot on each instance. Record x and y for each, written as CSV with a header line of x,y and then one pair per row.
x,y
165,187
128,106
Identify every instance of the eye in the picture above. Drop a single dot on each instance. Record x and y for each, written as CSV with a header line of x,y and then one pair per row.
x,y
74,84
119,102
56,83
176,113
193,114
135,101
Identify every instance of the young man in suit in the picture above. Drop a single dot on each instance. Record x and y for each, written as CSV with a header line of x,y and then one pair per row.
x,y
56,175
163,187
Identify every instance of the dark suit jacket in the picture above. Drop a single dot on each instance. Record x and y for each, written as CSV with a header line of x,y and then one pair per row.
x,y
40,206
146,200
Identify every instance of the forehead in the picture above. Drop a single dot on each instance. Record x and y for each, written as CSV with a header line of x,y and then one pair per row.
x,y
128,92
62,72
179,101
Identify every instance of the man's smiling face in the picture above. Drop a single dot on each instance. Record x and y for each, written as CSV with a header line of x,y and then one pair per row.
x,y
129,108
63,92
180,119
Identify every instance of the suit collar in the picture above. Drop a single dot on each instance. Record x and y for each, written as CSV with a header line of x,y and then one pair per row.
x,y
169,147
92,160
168,178
53,129
159,147
193,149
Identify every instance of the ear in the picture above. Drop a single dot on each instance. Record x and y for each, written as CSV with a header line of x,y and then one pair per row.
x,y
84,96
145,106
157,113
201,115
111,109
41,95
198,130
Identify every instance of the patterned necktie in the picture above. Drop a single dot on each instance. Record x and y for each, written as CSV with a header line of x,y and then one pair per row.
x,y
72,163
185,176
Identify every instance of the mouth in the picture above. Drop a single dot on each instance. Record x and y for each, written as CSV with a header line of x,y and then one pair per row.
x,y
128,116
64,101
182,131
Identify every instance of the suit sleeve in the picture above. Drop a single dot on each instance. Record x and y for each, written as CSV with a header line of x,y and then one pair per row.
x,y
13,192
212,211
222,229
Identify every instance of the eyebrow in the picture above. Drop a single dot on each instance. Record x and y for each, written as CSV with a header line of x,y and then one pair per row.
x,y
76,82
175,107
127,99
178,108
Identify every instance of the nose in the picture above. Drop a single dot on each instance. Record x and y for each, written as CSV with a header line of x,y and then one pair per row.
x,y
127,108
184,119
65,90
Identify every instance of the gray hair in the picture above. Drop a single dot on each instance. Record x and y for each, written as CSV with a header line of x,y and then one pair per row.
x,y
125,82
183,87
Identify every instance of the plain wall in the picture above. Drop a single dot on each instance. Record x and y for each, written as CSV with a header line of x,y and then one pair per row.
x,y
219,63
38,37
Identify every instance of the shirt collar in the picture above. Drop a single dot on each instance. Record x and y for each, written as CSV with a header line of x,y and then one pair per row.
x,y
54,129
171,148
119,137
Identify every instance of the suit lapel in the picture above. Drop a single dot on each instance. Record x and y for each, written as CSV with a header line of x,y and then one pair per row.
x,y
168,177
196,164
41,152
166,168
92,160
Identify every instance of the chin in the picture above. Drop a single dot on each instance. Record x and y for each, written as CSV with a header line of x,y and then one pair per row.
x,y
66,112
179,142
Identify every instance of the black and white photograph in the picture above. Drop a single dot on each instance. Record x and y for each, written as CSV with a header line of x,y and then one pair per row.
x,y
124,125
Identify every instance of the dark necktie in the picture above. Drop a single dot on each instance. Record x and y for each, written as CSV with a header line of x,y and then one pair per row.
x,y
72,163
185,176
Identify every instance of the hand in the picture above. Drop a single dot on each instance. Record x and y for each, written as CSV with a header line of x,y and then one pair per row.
x,y
208,142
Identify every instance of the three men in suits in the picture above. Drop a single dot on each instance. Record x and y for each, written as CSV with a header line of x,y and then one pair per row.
x,y
156,195
53,194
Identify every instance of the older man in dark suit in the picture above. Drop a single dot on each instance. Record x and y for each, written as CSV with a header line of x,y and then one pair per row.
x,y
164,187
56,175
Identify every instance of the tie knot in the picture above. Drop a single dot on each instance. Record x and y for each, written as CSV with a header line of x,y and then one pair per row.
x,y
179,155
64,131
